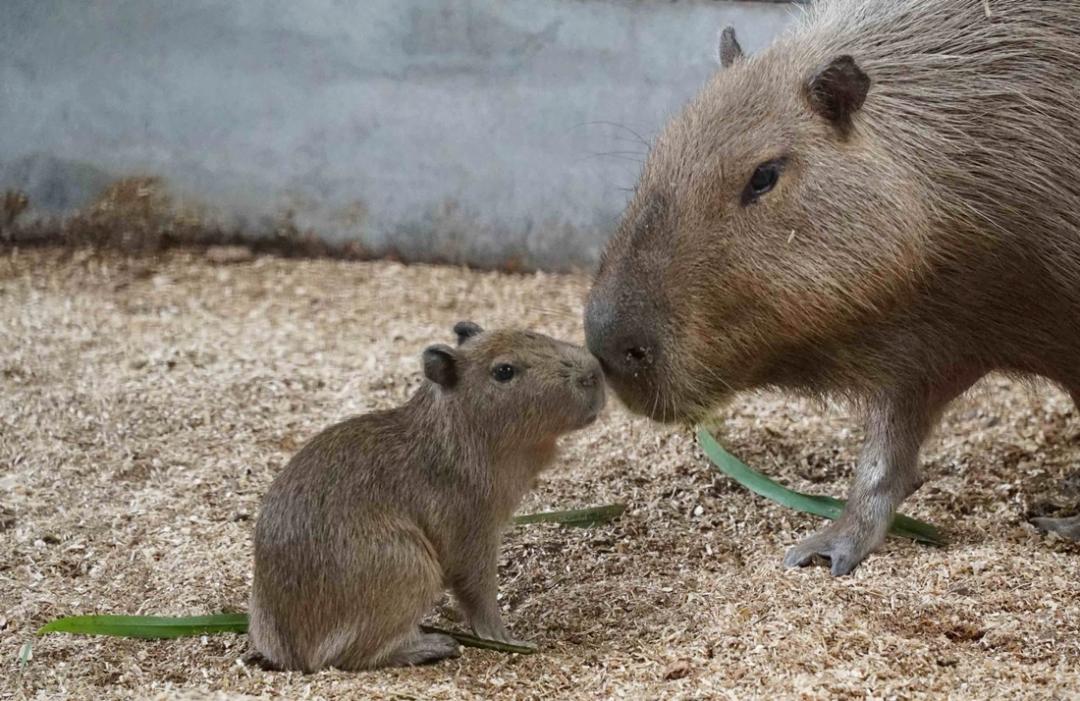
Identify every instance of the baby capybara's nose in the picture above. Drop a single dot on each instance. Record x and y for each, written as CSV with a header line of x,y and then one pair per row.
x,y
624,347
589,378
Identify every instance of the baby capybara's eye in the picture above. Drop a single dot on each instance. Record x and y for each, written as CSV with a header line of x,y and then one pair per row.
x,y
503,372
763,180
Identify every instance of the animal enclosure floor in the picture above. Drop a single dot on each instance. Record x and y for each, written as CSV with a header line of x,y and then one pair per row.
x,y
146,404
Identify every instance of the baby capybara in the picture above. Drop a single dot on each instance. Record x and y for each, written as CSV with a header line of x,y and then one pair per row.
x,y
377,515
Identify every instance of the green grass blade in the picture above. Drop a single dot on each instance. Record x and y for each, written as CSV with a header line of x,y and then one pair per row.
x,y
481,643
579,518
164,627
149,627
823,506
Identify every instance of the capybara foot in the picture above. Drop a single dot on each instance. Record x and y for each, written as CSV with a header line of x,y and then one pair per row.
x,y
490,627
505,637
842,545
425,648
522,643
1065,527
496,630
254,658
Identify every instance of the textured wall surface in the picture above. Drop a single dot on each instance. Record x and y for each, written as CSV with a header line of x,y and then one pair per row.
x,y
479,131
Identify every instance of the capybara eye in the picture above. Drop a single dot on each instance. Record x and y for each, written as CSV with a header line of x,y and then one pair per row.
x,y
503,372
763,180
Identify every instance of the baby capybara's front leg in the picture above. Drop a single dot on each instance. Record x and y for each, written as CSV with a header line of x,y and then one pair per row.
x,y
887,473
476,588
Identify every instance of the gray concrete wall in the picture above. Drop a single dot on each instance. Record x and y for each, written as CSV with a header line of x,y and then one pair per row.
x,y
475,131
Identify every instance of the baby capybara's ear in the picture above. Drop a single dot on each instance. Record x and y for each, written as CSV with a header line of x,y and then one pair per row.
x,y
466,330
728,50
440,365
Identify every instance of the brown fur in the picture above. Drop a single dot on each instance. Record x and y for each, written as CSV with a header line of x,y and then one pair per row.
x,y
372,519
921,234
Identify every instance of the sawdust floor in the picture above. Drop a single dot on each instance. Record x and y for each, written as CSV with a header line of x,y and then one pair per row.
x,y
145,405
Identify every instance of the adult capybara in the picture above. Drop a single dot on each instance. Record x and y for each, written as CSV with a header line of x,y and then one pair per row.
x,y
372,519
883,206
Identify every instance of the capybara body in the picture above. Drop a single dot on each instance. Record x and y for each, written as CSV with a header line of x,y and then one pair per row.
x,y
374,517
883,206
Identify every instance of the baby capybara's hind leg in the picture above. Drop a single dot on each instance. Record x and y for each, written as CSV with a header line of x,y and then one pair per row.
x,y
424,648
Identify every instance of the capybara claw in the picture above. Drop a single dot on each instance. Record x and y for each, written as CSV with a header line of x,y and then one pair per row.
x,y
831,544
527,644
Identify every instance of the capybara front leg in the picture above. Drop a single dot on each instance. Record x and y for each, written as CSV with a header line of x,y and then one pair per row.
x,y
886,474
477,590
1068,527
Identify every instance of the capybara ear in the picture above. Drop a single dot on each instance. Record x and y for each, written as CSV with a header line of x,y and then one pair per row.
x,y
466,330
440,365
837,90
728,50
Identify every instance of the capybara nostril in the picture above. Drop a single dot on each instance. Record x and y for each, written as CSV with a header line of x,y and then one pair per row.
x,y
623,356
588,379
639,356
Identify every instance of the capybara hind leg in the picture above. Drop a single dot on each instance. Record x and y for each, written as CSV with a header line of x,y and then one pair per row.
x,y
424,648
254,658
1065,527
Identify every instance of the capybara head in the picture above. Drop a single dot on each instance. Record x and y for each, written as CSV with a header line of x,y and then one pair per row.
x,y
519,386
767,222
